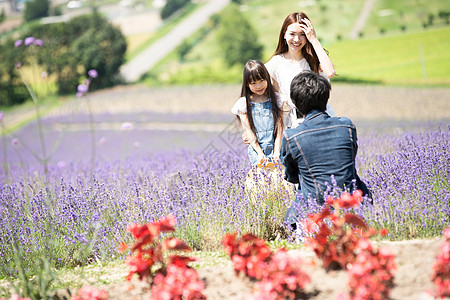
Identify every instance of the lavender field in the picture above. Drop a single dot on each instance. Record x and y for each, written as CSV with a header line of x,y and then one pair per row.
x,y
176,150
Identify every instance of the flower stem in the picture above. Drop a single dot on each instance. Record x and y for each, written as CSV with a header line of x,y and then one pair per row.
x,y
92,130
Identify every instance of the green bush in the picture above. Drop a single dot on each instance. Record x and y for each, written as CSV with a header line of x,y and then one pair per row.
x,y
73,48
12,90
238,38
36,9
171,7
2,15
103,48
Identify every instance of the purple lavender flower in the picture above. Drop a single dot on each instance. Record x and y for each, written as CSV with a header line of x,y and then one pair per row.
x,y
29,40
126,126
38,42
102,140
82,88
1,116
18,43
93,73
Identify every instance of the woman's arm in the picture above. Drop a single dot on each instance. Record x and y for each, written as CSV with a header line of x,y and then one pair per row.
x,y
325,62
253,141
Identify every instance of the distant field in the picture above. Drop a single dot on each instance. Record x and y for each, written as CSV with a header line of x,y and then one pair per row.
x,y
394,47
417,58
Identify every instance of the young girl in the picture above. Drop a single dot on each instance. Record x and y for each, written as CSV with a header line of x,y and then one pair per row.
x,y
298,49
258,111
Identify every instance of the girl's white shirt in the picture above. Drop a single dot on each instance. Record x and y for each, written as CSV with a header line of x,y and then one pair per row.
x,y
283,71
240,107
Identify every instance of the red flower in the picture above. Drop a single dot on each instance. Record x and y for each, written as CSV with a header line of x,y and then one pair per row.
x,y
441,268
175,244
173,278
89,293
140,266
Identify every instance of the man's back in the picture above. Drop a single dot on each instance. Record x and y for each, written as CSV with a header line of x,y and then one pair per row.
x,y
319,147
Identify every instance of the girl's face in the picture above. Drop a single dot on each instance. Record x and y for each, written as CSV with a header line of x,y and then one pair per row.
x,y
258,87
295,37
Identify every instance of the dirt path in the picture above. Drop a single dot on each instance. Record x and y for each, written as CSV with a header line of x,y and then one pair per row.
x,y
152,55
362,19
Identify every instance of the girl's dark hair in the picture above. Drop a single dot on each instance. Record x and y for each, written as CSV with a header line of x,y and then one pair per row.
x,y
308,50
255,70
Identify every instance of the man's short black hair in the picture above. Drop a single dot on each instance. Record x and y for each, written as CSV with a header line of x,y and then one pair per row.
x,y
309,91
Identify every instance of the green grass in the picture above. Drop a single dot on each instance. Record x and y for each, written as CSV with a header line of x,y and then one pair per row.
x,y
392,57
413,14
417,58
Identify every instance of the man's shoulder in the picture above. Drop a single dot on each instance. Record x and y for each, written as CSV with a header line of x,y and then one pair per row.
x,y
290,133
343,120
307,127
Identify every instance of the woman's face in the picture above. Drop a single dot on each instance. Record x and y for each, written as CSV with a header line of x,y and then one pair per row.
x,y
295,37
258,87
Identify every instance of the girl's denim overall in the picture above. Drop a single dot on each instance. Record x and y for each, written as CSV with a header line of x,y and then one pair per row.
x,y
263,121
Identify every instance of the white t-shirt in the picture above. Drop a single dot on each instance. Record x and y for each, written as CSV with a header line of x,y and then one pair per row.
x,y
240,107
283,71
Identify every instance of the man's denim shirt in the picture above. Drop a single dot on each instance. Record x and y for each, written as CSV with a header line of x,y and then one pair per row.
x,y
317,148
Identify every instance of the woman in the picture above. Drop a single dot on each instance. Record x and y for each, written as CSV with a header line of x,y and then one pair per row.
x,y
298,49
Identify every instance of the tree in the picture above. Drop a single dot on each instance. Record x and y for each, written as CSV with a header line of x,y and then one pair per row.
x,y
238,38
36,9
171,7
71,49
102,47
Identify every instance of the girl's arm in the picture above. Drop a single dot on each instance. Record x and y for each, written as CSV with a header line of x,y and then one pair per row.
x,y
253,141
277,146
325,62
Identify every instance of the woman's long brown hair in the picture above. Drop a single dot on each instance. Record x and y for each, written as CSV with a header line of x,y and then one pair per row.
x,y
308,50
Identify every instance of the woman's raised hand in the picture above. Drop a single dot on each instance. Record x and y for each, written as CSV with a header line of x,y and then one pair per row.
x,y
308,29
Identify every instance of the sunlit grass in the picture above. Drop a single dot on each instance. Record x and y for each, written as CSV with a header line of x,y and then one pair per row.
x,y
403,59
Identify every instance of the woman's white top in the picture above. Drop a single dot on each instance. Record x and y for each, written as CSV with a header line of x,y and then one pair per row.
x,y
240,107
283,71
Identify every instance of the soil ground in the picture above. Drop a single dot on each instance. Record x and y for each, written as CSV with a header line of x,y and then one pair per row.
x,y
414,259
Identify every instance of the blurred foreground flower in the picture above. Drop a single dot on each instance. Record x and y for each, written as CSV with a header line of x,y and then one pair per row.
x,y
82,89
93,73
126,126
168,275
90,293
441,268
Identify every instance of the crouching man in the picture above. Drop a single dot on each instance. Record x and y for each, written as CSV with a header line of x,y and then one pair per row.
x,y
319,147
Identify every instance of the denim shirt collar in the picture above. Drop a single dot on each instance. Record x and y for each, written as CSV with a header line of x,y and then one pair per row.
x,y
314,113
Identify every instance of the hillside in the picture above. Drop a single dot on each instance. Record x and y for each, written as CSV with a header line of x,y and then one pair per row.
x,y
410,53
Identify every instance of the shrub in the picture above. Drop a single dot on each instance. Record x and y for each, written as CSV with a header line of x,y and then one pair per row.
x,y
278,275
12,90
169,278
238,38
171,7
36,9
85,42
